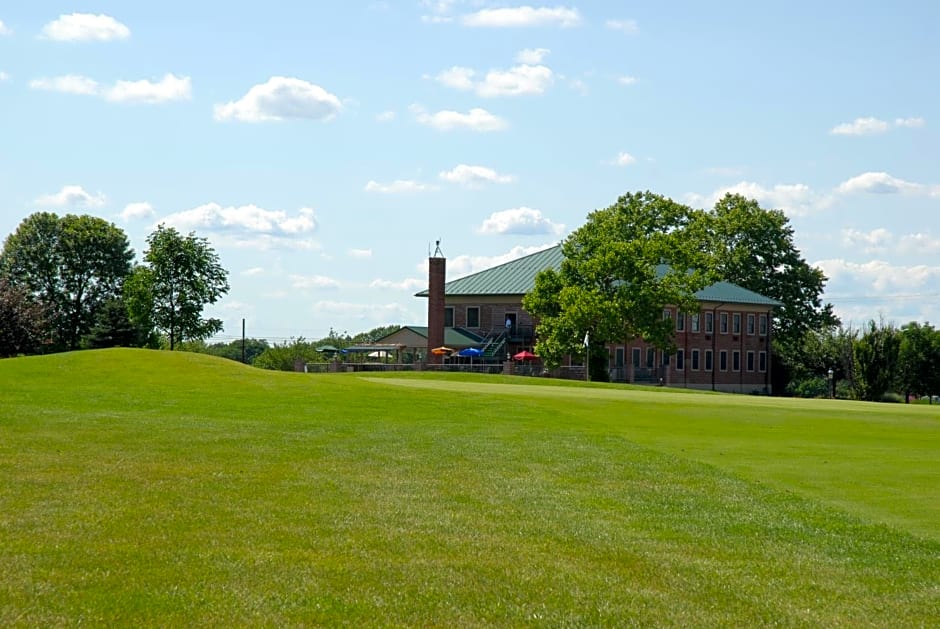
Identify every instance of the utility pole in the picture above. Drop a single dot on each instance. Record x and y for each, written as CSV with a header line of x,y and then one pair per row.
x,y
243,340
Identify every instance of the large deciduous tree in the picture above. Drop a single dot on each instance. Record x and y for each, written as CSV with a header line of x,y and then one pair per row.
x,y
72,265
182,276
753,247
621,268
876,360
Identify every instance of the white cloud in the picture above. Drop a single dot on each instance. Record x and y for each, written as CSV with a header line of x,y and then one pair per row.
x,y
372,313
877,240
4,29
474,175
4,76
516,81
141,209
68,84
623,159
457,77
522,16
72,197
248,220
860,126
520,221
579,86
439,11
254,271
409,284
85,27
398,186
281,98
625,26
878,275
476,119
881,240
385,116
911,123
361,254
169,88
795,199
626,80
871,125
883,183
532,56
306,282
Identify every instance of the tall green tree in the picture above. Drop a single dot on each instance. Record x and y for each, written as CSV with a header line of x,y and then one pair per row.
x,y
919,360
22,321
72,264
754,248
876,360
621,268
182,276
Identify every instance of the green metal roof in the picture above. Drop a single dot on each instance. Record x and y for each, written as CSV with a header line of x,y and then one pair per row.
x,y
517,277
511,278
726,292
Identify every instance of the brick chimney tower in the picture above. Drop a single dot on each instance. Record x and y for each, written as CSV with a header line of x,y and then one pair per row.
x,y
437,274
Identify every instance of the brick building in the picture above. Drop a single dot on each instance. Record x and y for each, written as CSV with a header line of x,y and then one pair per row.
x,y
725,346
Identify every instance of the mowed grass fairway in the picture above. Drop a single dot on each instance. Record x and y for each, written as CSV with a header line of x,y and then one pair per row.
x,y
149,488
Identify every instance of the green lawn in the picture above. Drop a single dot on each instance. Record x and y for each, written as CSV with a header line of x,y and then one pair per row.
x,y
148,488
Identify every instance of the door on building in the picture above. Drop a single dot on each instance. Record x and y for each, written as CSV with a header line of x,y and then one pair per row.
x,y
510,322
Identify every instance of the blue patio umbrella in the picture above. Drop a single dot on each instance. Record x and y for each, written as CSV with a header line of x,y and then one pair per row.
x,y
470,352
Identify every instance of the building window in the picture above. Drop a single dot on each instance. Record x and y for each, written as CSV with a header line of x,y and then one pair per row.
x,y
736,323
449,317
708,360
650,357
636,356
694,360
763,325
735,360
667,314
473,316
693,322
709,322
762,361
750,323
680,322
680,359
665,359
723,360
750,361
723,322
619,357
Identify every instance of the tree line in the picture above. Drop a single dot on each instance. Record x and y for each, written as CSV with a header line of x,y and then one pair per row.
x,y
70,282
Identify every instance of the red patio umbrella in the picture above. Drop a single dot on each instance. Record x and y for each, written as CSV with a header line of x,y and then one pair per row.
x,y
524,355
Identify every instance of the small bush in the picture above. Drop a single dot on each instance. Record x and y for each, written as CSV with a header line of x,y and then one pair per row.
x,y
893,398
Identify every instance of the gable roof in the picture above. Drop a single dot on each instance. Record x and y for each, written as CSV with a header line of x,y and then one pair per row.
x,y
458,337
517,277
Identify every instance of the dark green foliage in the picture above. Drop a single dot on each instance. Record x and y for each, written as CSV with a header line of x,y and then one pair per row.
x,y
876,361
819,351
183,276
113,327
284,357
919,360
73,265
233,350
22,321
611,282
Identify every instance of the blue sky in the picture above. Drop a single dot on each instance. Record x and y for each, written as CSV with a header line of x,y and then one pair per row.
x,y
321,147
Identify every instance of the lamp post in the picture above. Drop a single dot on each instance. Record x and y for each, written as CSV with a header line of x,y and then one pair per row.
x,y
829,381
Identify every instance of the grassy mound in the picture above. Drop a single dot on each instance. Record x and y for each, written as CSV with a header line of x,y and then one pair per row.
x,y
177,489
